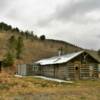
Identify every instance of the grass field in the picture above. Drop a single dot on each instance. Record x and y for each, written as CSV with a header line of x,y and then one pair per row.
x,y
29,88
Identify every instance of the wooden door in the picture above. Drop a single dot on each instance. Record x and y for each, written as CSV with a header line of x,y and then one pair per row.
x,y
77,72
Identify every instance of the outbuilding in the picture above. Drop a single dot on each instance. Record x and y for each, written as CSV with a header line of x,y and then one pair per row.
x,y
24,69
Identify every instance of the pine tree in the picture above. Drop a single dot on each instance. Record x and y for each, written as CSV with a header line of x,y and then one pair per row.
x,y
42,37
12,43
19,47
9,60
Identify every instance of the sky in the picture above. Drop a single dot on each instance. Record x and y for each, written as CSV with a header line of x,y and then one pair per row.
x,y
74,21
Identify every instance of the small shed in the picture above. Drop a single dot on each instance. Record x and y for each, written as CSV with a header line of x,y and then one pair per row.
x,y
24,69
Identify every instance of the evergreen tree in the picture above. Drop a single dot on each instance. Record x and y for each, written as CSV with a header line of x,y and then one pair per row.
x,y
9,57
42,37
19,47
12,43
5,27
9,60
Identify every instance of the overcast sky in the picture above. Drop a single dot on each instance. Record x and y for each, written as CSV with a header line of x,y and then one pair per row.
x,y
75,21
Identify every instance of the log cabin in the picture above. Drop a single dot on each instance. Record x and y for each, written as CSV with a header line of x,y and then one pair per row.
x,y
72,66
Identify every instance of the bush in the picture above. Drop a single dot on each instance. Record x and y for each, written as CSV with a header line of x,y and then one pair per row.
x,y
42,37
4,86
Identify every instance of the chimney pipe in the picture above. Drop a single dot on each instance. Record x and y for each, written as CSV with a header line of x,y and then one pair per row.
x,y
60,50
59,53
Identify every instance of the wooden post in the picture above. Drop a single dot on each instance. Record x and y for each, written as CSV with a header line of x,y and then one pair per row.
x,y
54,72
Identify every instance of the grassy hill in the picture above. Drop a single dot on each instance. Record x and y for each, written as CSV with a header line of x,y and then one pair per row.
x,y
34,48
42,49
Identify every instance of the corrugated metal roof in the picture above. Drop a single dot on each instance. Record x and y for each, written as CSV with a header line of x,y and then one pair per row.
x,y
58,59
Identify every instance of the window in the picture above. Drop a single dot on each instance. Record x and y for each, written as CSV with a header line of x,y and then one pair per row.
x,y
99,67
35,68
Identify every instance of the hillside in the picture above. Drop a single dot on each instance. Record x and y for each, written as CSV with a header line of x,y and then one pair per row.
x,y
34,48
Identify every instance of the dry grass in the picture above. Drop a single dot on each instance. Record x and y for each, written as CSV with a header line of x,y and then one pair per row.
x,y
29,88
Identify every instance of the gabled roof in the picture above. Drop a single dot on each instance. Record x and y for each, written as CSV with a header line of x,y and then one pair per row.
x,y
60,59
94,54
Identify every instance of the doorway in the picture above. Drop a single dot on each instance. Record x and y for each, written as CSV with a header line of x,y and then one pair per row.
x,y
77,72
